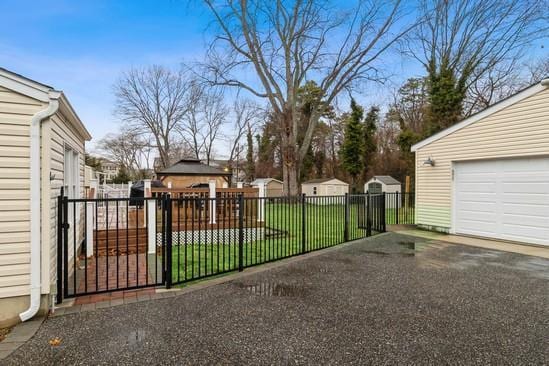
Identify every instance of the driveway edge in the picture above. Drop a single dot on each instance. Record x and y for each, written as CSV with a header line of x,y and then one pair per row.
x,y
21,333
162,293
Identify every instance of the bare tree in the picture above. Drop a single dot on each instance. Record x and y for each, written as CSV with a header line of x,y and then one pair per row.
x,y
460,41
129,149
202,124
214,113
503,81
154,100
283,44
245,116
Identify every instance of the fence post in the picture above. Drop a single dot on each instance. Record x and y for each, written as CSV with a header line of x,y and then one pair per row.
x,y
397,203
368,218
212,201
262,193
65,204
303,224
240,232
346,229
90,215
150,205
60,223
383,210
168,235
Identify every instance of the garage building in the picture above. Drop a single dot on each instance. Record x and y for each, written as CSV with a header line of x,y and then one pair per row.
x,y
488,175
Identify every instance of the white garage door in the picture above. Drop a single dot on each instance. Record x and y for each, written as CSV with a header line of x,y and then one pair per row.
x,y
504,199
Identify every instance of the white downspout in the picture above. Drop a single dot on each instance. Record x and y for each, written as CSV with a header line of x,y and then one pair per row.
x,y
35,208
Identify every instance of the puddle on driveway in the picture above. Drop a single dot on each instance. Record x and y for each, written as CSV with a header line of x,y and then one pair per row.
x,y
408,244
270,289
132,338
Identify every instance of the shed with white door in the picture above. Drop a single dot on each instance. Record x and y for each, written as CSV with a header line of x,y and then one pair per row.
x,y
382,183
325,187
488,175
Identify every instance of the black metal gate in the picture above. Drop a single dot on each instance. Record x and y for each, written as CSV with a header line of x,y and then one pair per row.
x,y
110,244
113,244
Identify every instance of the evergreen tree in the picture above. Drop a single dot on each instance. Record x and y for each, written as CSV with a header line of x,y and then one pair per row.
x,y
370,146
445,99
352,148
123,176
250,163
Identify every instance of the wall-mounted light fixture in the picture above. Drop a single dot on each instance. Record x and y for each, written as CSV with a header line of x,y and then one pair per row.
x,y
429,161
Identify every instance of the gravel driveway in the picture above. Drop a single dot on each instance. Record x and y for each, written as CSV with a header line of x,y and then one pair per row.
x,y
392,299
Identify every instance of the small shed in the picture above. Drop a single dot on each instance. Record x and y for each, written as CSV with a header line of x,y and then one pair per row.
x,y
382,183
274,187
325,187
188,172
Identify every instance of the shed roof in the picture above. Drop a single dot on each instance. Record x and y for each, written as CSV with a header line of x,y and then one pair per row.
x,y
265,180
322,180
192,167
385,179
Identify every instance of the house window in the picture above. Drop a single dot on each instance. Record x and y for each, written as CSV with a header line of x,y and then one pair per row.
x,y
71,173
71,180
314,190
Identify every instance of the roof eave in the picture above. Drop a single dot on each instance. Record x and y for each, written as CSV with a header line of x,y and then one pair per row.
x,y
525,93
76,121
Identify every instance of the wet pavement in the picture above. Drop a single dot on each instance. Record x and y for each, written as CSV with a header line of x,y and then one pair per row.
x,y
392,299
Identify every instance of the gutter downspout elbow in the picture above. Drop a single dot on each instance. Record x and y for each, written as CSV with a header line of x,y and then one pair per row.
x,y
35,207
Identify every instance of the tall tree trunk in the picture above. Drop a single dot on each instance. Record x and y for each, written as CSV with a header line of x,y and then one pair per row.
x,y
290,154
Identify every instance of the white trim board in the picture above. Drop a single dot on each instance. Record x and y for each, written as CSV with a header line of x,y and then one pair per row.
x,y
528,92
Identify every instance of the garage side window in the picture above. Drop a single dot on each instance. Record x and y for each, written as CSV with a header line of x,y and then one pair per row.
x,y
71,176
314,190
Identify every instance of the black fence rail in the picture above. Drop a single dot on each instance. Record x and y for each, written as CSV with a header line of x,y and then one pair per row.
x,y
400,208
119,243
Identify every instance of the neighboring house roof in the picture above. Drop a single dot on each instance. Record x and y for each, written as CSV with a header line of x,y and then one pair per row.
x,y
42,92
265,180
385,179
192,167
322,180
523,94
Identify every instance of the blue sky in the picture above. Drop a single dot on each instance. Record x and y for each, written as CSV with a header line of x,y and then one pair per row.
x,y
81,47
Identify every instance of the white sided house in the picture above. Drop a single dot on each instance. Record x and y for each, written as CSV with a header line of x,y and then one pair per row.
x,y
41,150
324,187
488,176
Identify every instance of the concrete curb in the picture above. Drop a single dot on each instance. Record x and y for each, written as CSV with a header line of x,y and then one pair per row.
x,y
162,293
21,333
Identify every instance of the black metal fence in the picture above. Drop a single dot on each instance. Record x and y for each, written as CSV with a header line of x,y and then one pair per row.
x,y
114,244
400,208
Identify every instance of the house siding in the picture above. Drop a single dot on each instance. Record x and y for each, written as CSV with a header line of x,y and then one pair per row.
x,y
16,112
62,134
519,130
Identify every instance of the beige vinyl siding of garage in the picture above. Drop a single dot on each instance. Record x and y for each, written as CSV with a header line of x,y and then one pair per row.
x,y
16,112
521,129
62,134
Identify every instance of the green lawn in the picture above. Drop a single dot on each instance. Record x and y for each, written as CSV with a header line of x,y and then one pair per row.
x,y
324,227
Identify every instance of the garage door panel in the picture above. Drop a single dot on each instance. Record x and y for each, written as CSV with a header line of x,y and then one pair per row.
x,y
523,220
474,206
477,187
485,197
522,233
525,198
541,188
521,208
505,199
